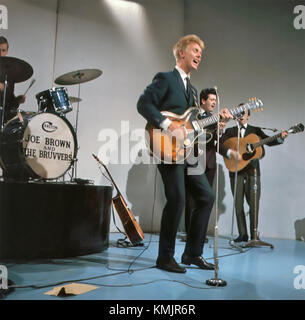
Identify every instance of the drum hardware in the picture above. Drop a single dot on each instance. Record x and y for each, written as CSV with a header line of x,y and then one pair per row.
x,y
72,78
75,99
3,103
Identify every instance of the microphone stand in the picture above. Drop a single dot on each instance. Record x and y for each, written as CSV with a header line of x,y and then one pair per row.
x,y
231,242
256,241
216,282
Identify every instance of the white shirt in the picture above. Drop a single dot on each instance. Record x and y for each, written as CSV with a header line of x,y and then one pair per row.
x,y
166,123
243,130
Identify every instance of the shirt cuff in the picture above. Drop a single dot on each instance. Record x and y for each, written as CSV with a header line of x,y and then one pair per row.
x,y
165,124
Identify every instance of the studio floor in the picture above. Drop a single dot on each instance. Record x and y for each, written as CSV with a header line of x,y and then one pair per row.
x,y
129,273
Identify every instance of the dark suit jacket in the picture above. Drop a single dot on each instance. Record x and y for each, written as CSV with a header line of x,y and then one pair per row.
x,y
233,132
211,147
165,93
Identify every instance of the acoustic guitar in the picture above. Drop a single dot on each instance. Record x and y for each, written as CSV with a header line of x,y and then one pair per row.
x,y
251,147
129,223
167,148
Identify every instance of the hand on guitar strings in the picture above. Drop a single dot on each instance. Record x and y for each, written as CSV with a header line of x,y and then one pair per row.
x,y
235,155
177,131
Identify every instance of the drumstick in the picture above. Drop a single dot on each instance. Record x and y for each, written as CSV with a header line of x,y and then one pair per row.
x,y
32,82
20,116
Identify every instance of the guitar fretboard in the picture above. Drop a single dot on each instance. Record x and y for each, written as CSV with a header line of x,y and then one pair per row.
x,y
266,140
234,112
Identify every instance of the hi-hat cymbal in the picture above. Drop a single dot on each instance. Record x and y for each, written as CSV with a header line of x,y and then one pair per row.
x,y
79,76
16,69
74,99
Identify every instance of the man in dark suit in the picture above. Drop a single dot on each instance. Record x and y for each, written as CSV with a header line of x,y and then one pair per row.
x,y
12,102
208,102
248,179
171,91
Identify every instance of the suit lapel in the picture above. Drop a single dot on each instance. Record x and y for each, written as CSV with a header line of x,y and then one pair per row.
x,y
180,82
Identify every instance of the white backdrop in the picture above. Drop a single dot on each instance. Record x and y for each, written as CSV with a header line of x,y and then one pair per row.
x,y
252,49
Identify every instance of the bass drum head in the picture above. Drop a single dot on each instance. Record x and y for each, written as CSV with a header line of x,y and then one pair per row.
x,y
49,145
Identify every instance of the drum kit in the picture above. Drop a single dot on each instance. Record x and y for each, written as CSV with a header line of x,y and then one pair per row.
x,y
40,145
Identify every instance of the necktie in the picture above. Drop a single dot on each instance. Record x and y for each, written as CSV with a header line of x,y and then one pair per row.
x,y
190,93
188,90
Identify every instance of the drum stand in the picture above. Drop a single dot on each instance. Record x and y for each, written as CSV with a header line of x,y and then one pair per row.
x,y
74,168
256,241
3,104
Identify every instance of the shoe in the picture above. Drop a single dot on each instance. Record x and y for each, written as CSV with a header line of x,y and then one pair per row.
x,y
241,239
197,261
169,265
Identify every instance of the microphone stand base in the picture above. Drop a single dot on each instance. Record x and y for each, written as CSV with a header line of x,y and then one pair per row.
x,y
233,244
257,243
215,282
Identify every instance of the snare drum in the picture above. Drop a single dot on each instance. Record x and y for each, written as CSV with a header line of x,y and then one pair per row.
x,y
44,146
54,100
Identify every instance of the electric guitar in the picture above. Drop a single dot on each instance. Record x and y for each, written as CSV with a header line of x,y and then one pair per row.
x,y
251,147
130,224
166,147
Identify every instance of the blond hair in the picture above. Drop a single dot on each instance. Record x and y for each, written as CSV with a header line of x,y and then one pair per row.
x,y
183,42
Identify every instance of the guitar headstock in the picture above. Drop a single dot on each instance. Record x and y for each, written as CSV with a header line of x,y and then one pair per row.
x,y
296,128
255,104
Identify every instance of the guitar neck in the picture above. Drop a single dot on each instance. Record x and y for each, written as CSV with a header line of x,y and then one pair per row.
x,y
114,184
267,140
215,118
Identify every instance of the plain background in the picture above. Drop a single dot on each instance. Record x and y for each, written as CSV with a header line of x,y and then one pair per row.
x,y
252,50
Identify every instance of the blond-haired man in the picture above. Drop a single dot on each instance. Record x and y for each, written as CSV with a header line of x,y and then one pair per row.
x,y
168,92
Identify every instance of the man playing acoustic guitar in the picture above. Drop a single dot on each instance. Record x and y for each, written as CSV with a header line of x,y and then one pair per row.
x,y
249,174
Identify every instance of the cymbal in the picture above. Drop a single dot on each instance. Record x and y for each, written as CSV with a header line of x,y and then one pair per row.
x,y
16,69
75,99
79,76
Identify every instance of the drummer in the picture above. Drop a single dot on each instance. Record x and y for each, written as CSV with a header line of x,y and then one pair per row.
x,y
12,102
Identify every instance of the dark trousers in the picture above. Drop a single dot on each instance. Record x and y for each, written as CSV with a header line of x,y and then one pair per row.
x,y
189,205
176,180
246,189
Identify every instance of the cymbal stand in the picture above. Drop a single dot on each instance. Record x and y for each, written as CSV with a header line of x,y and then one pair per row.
x,y
256,241
216,282
3,104
74,169
231,242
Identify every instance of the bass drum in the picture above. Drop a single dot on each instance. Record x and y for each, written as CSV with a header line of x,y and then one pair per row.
x,y
43,146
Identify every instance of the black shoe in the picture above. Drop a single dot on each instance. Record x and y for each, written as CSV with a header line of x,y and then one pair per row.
x,y
197,261
241,239
169,265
